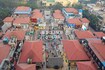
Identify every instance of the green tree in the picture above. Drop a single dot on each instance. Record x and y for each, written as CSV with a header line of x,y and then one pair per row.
x,y
92,18
57,6
77,6
4,13
8,6
32,4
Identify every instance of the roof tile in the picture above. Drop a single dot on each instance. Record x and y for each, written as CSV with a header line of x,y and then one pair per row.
x,y
22,20
88,65
8,19
74,51
22,8
75,21
24,66
32,49
84,34
71,10
20,34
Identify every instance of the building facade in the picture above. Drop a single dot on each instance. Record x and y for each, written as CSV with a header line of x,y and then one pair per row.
x,y
72,13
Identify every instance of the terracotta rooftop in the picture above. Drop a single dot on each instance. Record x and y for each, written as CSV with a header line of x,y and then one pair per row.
x,y
84,34
20,34
36,11
22,8
71,10
88,65
75,21
4,52
24,66
84,20
37,15
58,11
74,50
99,50
22,20
94,40
8,19
99,34
58,16
32,49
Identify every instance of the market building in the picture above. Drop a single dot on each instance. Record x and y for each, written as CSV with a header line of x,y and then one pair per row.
x,y
22,11
72,13
22,22
83,34
8,22
32,53
95,49
74,23
74,52
37,19
58,19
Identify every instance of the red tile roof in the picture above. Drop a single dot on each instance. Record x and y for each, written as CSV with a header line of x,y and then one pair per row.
x,y
84,20
58,16
4,52
8,19
24,66
75,21
99,34
58,11
99,50
84,34
88,65
94,40
37,15
22,20
36,11
20,34
22,8
32,49
71,10
74,51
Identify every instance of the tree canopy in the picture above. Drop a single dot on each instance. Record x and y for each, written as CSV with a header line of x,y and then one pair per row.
x,y
32,4
77,6
92,18
57,6
7,7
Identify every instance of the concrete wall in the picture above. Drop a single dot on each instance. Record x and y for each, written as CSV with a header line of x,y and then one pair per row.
x,y
6,26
